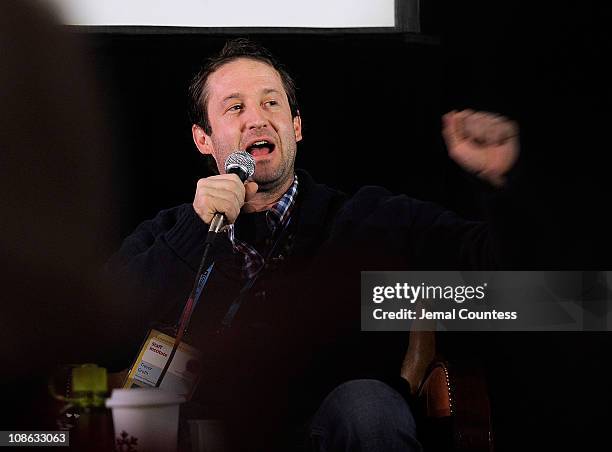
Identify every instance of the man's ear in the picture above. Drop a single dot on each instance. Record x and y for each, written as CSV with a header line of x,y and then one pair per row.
x,y
201,140
297,127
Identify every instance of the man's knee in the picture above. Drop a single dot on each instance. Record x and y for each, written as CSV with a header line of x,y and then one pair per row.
x,y
363,415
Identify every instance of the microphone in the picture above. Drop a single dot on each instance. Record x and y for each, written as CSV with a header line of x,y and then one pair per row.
x,y
242,164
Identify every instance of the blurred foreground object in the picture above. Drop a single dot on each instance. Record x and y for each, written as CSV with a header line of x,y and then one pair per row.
x,y
55,205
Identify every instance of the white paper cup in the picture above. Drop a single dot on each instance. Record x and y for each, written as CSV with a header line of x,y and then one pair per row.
x,y
207,435
145,419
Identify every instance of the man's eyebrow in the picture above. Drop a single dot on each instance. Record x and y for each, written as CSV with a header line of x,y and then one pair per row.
x,y
271,90
237,95
231,96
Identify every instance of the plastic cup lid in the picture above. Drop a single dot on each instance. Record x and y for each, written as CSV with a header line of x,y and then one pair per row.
x,y
142,397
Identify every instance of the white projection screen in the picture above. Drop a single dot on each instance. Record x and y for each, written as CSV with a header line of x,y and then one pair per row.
x,y
398,15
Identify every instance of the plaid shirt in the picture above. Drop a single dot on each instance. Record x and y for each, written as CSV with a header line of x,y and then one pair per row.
x,y
276,217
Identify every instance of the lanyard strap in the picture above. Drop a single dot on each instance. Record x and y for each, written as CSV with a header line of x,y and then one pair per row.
x,y
194,296
235,306
192,301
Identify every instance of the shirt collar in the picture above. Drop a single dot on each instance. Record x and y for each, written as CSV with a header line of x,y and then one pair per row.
x,y
278,214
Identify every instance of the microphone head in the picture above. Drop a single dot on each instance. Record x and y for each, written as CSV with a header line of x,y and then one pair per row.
x,y
241,163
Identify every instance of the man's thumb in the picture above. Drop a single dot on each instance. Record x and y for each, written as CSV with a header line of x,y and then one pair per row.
x,y
250,190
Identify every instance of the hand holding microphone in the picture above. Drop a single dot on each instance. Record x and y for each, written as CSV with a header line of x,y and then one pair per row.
x,y
218,199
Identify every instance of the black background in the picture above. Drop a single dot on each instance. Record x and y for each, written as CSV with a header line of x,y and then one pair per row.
x,y
371,107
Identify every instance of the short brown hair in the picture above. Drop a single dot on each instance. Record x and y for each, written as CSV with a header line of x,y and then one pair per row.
x,y
233,50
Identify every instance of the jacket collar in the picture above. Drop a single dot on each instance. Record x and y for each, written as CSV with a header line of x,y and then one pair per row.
x,y
317,205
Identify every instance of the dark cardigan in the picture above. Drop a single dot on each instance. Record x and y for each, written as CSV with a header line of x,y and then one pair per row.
x,y
297,335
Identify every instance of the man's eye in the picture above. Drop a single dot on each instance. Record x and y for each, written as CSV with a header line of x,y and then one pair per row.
x,y
271,103
236,107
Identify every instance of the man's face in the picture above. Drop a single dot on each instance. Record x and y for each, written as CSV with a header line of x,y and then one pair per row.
x,y
248,110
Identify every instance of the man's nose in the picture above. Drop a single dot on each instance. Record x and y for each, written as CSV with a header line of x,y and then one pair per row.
x,y
255,118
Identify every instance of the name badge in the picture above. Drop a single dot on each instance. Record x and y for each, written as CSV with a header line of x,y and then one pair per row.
x,y
183,374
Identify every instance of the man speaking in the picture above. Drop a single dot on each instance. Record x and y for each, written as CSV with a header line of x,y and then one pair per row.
x,y
285,364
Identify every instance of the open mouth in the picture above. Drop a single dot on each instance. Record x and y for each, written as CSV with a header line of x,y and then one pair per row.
x,y
261,147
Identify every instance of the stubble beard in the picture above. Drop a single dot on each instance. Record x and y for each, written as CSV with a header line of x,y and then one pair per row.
x,y
277,180
273,179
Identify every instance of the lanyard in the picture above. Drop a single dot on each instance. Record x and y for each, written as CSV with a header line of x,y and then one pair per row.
x,y
192,302
199,287
235,306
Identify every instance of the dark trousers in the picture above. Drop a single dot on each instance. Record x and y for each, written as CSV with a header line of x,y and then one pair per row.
x,y
357,416
363,415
